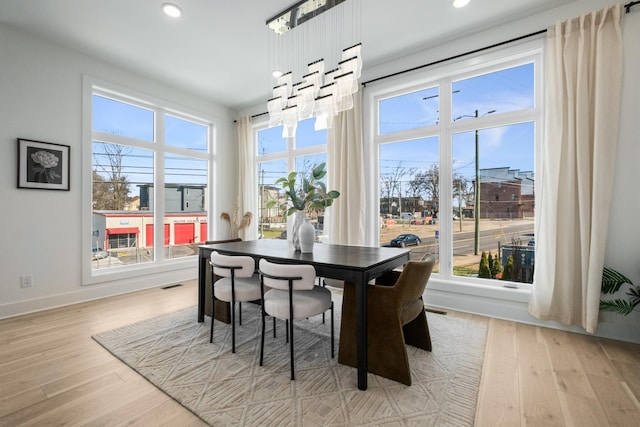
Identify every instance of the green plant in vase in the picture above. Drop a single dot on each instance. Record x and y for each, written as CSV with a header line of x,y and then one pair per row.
x,y
304,196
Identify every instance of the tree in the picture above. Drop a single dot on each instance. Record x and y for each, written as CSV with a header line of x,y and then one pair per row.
x,y
484,272
392,183
496,268
508,269
110,185
428,182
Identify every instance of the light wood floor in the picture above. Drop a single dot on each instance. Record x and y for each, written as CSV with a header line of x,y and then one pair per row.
x,y
53,373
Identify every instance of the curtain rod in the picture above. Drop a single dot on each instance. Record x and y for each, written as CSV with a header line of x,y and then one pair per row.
x,y
627,8
471,52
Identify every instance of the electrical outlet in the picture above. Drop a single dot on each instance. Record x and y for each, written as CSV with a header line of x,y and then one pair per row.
x,y
26,281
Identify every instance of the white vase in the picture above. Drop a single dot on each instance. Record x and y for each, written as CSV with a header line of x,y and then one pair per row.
x,y
298,220
307,236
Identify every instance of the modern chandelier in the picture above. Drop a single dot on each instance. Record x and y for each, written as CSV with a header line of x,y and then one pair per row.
x,y
308,40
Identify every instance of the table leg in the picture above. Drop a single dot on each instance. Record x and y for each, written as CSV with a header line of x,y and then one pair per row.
x,y
202,265
361,332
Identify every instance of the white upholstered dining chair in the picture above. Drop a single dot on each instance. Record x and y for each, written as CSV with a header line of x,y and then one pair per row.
x,y
238,282
293,295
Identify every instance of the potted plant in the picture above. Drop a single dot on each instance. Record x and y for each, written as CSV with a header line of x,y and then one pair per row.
x,y
301,197
611,283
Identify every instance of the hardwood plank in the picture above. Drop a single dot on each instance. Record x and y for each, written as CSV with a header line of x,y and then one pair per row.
x,y
168,411
90,373
582,411
41,409
630,375
142,403
499,404
84,409
616,403
539,396
184,419
593,358
46,372
569,374
501,338
621,351
21,400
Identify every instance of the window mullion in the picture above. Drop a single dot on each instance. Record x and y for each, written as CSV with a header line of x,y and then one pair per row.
x,y
159,184
446,177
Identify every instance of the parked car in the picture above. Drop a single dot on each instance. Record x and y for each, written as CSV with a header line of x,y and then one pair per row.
x,y
98,253
406,240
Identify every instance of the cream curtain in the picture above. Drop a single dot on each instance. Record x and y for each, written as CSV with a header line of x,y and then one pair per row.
x,y
583,73
246,180
345,171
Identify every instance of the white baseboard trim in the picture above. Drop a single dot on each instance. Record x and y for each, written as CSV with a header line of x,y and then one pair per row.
x,y
98,291
512,305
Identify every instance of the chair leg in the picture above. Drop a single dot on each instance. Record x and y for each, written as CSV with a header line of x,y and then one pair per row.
x,y
233,324
240,313
274,327
416,332
293,376
332,337
213,308
262,336
321,283
286,326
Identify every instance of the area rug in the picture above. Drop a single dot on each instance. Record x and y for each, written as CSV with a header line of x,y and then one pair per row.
x,y
224,389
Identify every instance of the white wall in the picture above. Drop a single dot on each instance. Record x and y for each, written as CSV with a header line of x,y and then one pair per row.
x,y
41,99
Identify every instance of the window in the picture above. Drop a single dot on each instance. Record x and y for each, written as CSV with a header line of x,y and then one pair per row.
x,y
456,165
149,166
277,156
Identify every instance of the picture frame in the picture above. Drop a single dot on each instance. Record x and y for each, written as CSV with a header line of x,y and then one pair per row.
x,y
43,165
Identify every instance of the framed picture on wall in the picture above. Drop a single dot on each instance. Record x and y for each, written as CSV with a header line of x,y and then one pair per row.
x,y
43,165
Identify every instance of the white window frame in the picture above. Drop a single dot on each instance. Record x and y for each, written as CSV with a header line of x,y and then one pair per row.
x,y
289,155
444,75
91,86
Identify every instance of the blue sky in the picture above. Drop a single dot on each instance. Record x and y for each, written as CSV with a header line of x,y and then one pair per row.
x,y
123,119
505,146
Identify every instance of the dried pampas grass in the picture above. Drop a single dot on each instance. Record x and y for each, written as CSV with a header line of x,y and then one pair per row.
x,y
234,225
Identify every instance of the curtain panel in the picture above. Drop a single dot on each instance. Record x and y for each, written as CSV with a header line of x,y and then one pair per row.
x,y
583,61
345,173
246,178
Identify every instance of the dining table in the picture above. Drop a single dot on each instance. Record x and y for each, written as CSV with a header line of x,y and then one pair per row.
x,y
355,264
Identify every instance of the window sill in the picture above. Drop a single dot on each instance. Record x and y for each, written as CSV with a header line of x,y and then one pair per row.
x,y
499,292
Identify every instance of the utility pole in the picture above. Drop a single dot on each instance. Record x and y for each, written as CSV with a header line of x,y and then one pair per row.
x,y
476,196
460,203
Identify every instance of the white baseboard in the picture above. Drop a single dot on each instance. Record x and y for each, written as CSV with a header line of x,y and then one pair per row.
x,y
512,305
98,291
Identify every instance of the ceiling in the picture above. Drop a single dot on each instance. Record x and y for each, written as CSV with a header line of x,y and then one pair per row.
x,y
218,48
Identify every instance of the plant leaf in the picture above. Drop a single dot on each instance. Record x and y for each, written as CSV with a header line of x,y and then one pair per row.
x,y
618,306
318,172
612,280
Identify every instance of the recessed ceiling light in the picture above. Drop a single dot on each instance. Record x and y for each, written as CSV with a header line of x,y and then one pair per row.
x,y
460,3
172,10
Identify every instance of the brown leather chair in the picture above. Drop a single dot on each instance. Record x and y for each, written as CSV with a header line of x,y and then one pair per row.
x,y
395,316
223,309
